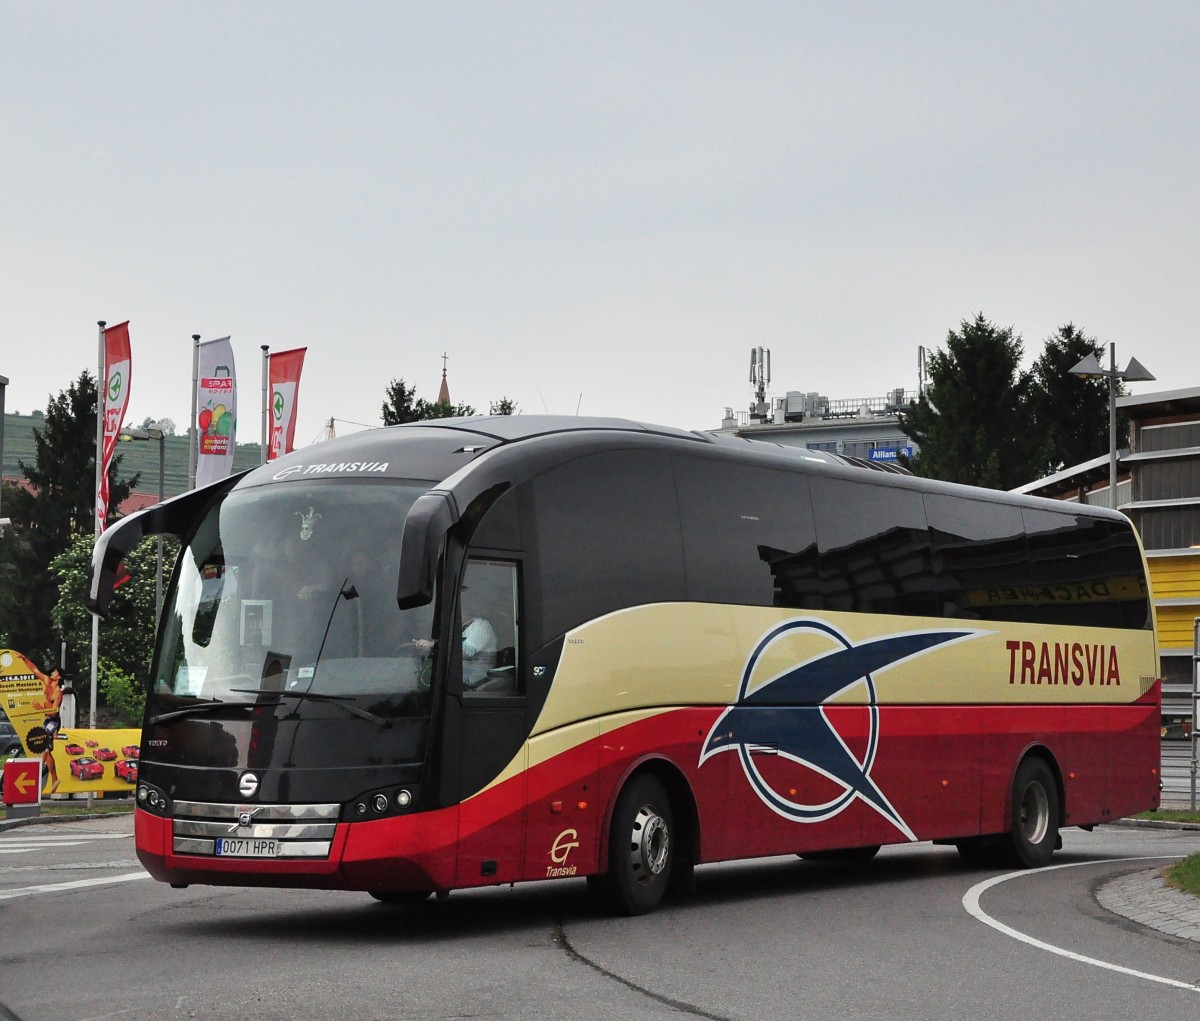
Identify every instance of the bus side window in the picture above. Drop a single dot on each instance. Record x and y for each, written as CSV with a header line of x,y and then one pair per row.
x,y
488,606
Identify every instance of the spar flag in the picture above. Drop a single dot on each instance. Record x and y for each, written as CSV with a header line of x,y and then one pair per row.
x,y
216,411
284,395
114,400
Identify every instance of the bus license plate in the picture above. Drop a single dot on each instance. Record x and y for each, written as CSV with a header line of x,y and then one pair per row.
x,y
246,847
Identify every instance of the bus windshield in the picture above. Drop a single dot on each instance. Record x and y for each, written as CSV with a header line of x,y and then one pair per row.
x,y
289,593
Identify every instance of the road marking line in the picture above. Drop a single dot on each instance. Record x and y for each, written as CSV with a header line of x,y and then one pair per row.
x,y
78,884
971,903
76,840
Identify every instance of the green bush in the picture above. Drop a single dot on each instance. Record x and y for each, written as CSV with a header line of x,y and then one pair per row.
x,y
122,693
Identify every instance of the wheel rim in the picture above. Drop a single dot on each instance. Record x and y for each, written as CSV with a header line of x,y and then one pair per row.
x,y
1035,813
649,845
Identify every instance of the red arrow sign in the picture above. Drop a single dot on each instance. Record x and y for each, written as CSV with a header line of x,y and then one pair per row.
x,y
23,782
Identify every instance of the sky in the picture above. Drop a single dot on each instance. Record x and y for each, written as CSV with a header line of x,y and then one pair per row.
x,y
592,208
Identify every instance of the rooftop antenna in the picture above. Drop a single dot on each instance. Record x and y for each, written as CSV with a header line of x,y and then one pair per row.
x,y
760,378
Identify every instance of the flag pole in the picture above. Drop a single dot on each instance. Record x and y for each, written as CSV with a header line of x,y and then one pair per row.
x,y
193,439
101,383
266,403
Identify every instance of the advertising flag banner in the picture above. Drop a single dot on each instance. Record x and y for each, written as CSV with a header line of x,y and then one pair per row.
x,y
114,400
284,394
71,762
216,412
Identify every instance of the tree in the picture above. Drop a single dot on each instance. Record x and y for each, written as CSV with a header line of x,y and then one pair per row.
x,y
398,403
972,422
127,632
504,406
58,502
1070,414
401,404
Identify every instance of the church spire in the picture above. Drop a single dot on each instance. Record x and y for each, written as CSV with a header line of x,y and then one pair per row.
x,y
444,392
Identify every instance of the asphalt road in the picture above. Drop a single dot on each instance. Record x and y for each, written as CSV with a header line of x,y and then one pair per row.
x,y
911,935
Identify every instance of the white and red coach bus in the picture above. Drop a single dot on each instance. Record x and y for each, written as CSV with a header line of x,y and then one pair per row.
x,y
480,651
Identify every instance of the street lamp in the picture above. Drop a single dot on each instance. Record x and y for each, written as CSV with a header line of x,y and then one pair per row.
x,y
153,434
1134,372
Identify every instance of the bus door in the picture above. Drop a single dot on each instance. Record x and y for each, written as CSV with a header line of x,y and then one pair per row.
x,y
486,724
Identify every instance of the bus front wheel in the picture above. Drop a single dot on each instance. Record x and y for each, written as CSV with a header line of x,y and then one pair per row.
x,y
641,851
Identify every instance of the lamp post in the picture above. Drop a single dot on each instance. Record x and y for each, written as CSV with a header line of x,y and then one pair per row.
x,y
3,387
1134,372
153,434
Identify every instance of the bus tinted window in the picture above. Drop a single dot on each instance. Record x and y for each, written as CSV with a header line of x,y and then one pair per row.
x,y
1084,571
748,535
595,551
873,547
980,557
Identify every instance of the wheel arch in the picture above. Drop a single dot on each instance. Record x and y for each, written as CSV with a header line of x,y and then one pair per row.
x,y
1038,750
683,804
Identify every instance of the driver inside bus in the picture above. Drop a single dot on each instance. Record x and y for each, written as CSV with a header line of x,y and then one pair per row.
x,y
479,646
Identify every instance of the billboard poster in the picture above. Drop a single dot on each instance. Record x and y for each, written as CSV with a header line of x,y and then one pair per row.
x,y
285,392
75,761
216,411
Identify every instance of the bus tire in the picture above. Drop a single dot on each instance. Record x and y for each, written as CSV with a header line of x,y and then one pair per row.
x,y
398,897
641,849
843,855
1033,836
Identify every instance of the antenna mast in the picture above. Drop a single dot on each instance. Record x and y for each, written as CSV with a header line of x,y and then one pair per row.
x,y
760,379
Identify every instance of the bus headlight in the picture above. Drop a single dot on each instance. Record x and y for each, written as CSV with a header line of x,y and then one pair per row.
x,y
403,799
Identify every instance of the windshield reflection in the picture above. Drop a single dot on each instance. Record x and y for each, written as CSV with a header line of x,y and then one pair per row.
x,y
289,591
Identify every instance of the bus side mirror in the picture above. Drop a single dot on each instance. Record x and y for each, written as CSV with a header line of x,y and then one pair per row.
x,y
172,517
431,517
110,550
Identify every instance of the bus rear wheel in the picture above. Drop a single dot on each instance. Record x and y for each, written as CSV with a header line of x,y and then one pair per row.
x,y
1033,836
641,851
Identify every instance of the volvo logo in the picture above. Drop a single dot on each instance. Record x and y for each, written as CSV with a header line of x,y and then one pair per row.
x,y
248,785
245,818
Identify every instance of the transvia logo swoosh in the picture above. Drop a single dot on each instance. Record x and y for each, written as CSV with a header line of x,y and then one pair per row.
x,y
784,716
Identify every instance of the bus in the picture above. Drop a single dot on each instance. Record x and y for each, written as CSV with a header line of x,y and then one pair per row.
x,y
487,650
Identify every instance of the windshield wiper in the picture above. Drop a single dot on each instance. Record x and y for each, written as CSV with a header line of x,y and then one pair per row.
x,y
198,707
341,701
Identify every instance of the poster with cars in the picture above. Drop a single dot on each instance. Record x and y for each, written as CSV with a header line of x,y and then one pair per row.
x,y
74,761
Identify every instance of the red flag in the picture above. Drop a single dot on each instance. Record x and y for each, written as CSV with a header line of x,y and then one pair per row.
x,y
284,395
114,399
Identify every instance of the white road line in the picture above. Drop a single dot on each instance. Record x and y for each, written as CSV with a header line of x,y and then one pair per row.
x,y
54,840
971,903
23,845
78,884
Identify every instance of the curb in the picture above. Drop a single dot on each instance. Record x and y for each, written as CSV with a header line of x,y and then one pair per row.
x,y
12,824
1155,824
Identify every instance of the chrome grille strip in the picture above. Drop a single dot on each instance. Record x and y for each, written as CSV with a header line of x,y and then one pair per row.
x,y
291,849
277,831
262,813
301,831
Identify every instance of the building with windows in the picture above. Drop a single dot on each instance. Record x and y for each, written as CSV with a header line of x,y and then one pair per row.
x,y
868,428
